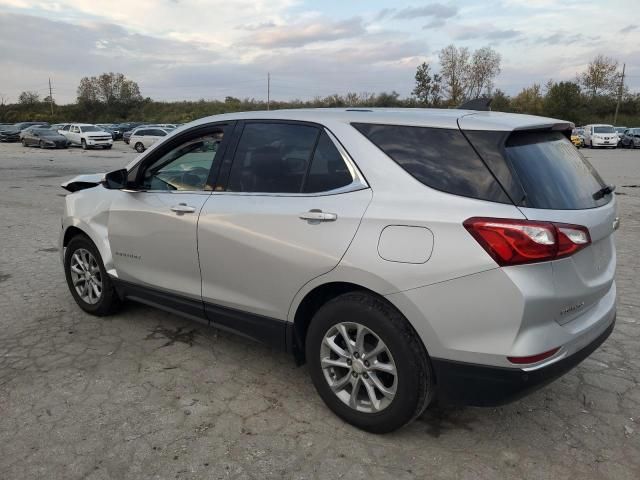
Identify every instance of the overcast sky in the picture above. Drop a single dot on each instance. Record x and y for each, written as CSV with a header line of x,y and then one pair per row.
x,y
191,49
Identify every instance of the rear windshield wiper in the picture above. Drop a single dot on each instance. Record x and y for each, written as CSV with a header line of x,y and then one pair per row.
x,y
606,190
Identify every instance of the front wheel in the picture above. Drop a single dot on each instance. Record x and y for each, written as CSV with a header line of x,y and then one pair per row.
x,y
83,143
367,363
139,147
24,142
41,144
87,278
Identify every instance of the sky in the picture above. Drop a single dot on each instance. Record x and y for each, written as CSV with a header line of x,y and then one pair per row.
x,y
193,49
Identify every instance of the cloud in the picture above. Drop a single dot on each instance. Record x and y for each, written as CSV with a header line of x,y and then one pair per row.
x,y
436,10
300,34
629,28
484,31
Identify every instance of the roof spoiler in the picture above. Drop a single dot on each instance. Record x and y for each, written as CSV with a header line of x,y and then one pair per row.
x,y
482,104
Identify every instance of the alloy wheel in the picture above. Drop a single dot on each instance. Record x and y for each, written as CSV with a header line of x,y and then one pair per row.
x,y
86,276
358,367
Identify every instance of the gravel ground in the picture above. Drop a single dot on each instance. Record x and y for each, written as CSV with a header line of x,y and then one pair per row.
x,y
146,394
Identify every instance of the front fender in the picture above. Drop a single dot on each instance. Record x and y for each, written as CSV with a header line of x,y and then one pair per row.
x,y
88,211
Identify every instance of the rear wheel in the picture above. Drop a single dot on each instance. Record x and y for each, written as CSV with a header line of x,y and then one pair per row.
x,y
87,278
41,144
367,363
139,147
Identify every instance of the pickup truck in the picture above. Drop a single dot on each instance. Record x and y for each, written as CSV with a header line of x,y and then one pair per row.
x,y
87,135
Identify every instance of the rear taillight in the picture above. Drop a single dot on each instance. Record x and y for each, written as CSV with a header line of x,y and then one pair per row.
x,y
515,242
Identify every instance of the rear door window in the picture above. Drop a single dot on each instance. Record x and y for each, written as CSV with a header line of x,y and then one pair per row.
x,y
272,158
553,174
437,157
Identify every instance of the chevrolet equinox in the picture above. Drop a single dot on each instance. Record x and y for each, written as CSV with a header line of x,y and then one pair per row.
x,y
404,255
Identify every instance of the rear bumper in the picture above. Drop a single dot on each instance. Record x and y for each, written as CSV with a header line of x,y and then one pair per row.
x,y
461,383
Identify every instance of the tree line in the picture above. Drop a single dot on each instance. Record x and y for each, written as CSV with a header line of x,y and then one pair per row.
x,y
463,75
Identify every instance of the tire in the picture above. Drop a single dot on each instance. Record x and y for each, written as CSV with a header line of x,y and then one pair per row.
x,y
83,144
410,388
41,144
24,142
108,147
108,301
139,147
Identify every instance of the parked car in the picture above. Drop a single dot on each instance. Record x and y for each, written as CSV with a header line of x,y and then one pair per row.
x,y
143,137
24,125
631,138
87,136
600,135
112,128
9,133
393,251
577,137
43,138
619,132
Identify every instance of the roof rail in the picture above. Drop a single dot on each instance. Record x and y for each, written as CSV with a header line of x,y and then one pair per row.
x,y
482,104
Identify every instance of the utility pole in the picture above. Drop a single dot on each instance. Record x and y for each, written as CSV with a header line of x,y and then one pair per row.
x,y
50,96
620,89
268,90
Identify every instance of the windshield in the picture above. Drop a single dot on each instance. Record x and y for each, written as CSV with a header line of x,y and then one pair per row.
x,y
620,129
603,129
91,128
553,173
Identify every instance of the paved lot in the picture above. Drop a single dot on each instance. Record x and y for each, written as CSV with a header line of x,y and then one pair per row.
x,y
146,394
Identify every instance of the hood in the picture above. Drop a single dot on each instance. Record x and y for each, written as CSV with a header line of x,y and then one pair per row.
x,y
82,182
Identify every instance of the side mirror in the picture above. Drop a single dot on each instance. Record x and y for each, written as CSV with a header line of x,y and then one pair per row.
x,y
116,180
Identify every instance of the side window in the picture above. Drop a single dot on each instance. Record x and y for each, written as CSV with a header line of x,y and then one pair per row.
x,y
185,167
272,158
66,128
328,170
157,133
140,133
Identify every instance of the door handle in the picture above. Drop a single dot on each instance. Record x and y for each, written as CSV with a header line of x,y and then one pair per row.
x,y
183,208
315,215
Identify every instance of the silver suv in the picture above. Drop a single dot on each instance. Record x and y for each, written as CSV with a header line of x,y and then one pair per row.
x,y
403,254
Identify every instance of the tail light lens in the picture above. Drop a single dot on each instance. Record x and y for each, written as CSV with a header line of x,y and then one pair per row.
x,y
516,242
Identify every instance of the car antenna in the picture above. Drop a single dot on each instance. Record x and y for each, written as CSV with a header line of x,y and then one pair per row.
x,y
482,104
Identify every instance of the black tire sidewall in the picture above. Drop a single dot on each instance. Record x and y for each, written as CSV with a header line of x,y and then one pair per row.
x,y
109,298
415,381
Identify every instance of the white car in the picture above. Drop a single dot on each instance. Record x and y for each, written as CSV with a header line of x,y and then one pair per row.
x,y
143,137
600,135
87,135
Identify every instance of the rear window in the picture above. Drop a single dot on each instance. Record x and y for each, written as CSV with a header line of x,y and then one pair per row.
x,y
553,174
437,157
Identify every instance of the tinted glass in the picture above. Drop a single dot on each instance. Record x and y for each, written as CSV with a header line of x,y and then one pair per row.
x,y
553,173
439,158
603,130
272,158
185,167
328,170
91,128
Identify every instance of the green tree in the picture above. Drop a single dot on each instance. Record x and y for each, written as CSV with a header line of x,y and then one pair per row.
x,y
428,87
529,100
564,100
500,101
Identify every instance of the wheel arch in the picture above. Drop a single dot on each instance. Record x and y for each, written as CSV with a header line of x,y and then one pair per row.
x,y
314,300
